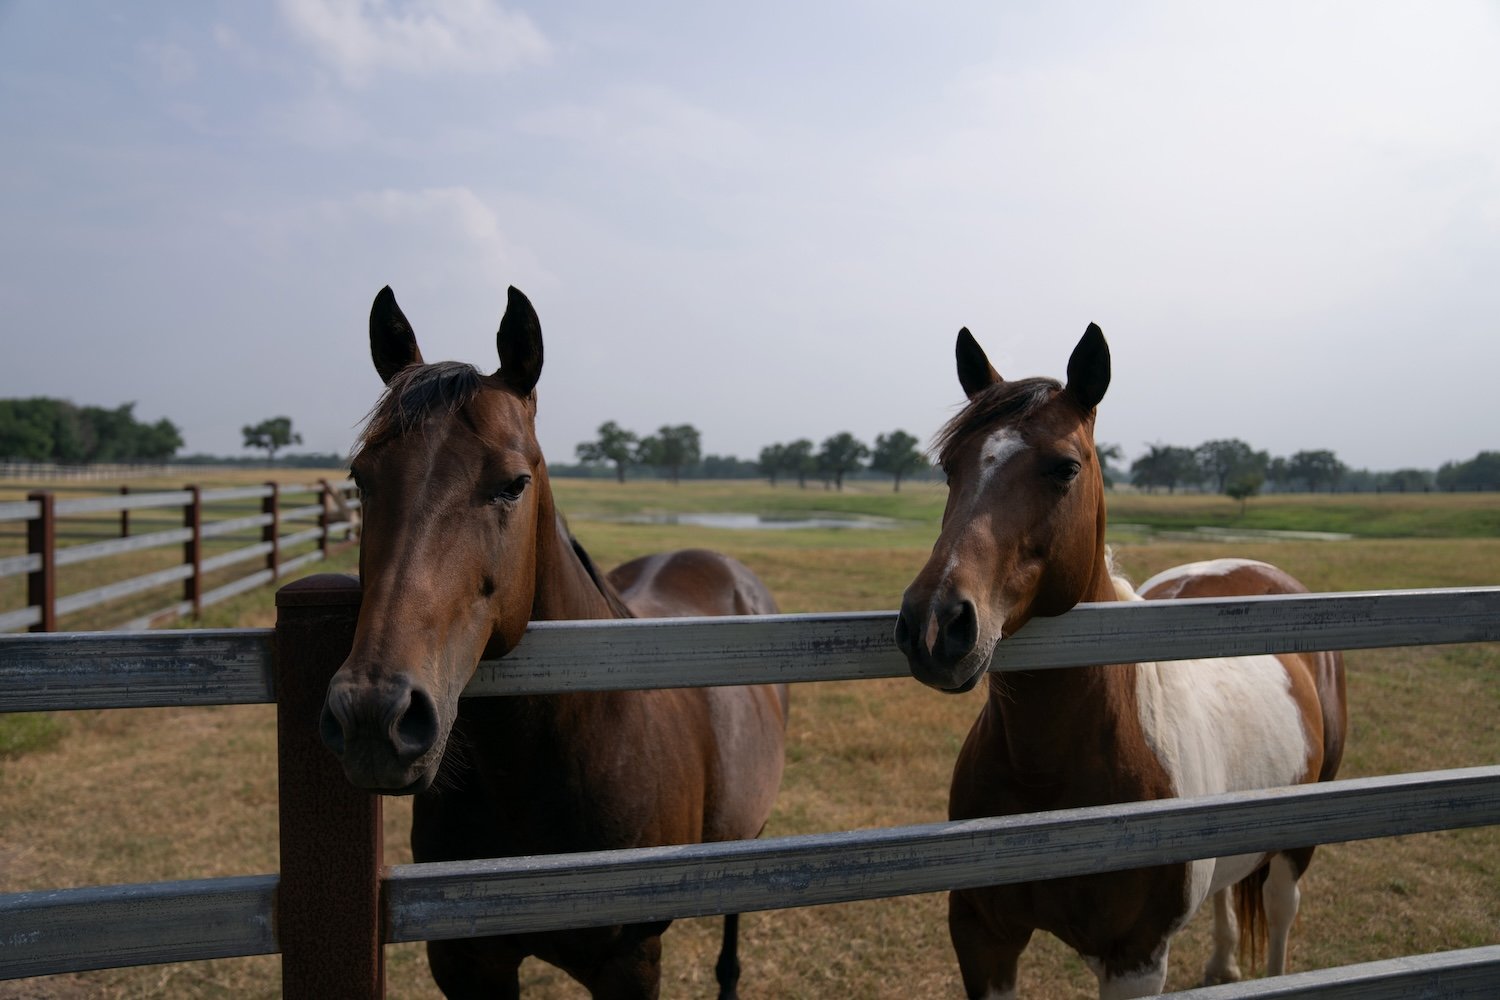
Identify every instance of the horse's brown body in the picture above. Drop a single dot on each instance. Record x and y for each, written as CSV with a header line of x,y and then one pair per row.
x,y
1023,535
462,547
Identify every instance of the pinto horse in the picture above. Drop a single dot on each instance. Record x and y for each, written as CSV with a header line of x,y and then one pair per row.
x,y
1023,535
462,546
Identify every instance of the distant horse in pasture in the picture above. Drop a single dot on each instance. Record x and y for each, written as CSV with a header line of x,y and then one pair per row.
x,y
1023,535
462,546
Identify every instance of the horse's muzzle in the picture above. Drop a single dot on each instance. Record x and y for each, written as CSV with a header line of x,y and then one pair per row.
x,y
940,640
386,731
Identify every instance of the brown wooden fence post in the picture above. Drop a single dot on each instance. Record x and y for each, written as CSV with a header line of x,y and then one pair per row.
x,y
41,540
328,910
125,515
192,550
272,532
325,521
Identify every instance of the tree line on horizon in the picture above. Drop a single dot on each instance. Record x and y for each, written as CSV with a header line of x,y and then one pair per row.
x,y
674,449
43,429
1235,469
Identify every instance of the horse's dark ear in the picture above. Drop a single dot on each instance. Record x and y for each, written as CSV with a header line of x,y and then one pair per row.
x,y
1088,368
393,345
975,373
520,343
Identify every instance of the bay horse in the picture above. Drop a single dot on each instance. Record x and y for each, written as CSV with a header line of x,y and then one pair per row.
x,y
1023,535
462,546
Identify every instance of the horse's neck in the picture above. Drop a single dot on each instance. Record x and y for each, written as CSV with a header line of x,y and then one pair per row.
x,y
1046,716
565,590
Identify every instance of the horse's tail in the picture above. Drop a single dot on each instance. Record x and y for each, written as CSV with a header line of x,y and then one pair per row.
x,y
1250,910
727,969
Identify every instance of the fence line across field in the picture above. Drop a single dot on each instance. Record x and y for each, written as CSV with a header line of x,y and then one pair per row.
x,y
98,927
42,512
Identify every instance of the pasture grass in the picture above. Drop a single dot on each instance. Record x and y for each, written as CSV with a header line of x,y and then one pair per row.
x,y
177,793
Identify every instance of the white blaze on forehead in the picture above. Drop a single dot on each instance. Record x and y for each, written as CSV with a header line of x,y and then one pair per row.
x,y
998,449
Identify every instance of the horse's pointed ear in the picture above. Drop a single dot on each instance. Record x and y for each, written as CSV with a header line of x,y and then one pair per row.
x,y
975,373
520,343
393,345
1088,368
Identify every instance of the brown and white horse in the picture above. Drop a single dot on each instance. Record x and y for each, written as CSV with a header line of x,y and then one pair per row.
x,y
1023,535
463,546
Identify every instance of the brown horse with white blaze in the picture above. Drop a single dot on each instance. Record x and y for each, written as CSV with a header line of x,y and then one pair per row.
x,y
1023,535
462,546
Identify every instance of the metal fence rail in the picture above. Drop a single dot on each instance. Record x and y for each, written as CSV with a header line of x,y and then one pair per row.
x,y
75,929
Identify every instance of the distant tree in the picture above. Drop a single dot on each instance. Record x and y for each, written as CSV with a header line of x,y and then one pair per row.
x,y
773,461
840,454
271,435
1482,472
1164,465
896,455
801,461
1278,474
1316,469
670,449
1229,459
25,431
55,430
1244,486
615,444
1108,454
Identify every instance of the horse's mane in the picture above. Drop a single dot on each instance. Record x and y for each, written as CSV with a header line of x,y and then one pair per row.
x,y
416,391
611,595
1001,401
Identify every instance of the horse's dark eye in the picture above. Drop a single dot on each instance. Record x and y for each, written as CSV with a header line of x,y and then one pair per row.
x,y
511,491
1066,471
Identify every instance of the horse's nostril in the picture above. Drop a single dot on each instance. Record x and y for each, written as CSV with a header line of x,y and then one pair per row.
x,y
961,630
417,729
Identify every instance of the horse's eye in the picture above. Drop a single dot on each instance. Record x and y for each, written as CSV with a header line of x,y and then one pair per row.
x,y
511,491
1066,471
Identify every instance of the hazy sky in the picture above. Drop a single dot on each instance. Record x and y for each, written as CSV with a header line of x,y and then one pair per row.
x,y
768,220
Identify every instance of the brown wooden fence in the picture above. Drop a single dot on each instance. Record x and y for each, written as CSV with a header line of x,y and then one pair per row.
x,y
333,905
231,540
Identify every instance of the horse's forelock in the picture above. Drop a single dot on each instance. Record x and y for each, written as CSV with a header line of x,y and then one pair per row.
x,y
1001,401
417,391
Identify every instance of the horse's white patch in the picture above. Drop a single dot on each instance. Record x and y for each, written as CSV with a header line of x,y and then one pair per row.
x,y
994,994
1222,726
1209,567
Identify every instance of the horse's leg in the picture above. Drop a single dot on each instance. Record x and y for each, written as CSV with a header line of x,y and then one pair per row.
x,y
631,971
474,968
1146,981
1281,897
987,953
1223,965
727,969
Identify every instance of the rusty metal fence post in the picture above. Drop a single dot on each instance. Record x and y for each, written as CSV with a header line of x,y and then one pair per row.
x,y
328,910
41,540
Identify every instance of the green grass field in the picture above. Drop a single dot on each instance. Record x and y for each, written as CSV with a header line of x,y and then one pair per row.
x,y
166,794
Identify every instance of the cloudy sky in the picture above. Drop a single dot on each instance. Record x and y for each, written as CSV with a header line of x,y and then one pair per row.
x,y
768,220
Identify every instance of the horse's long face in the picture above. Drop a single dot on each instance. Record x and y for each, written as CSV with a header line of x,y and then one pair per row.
x,y
1023,530
451,481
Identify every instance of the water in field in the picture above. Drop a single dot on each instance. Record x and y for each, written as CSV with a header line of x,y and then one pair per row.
x,y
1146,533
762,522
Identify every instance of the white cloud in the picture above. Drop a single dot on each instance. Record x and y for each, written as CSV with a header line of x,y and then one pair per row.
x,y
360,38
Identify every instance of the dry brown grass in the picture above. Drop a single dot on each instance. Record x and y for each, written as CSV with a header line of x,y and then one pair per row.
x,y
142,795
